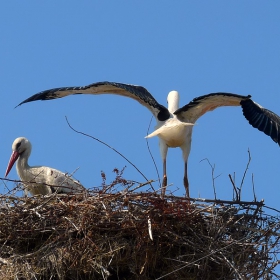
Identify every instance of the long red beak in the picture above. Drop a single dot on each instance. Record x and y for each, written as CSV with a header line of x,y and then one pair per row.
x,y
13,159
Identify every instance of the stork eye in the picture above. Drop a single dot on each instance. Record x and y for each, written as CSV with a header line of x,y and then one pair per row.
x,y
18,145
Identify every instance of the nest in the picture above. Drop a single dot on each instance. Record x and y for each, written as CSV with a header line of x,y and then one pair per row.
x,y
117,232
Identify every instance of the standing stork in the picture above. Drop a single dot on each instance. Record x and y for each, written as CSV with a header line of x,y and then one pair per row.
x,y
39,179
174,124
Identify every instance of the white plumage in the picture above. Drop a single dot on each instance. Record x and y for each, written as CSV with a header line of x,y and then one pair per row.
x,y
39,179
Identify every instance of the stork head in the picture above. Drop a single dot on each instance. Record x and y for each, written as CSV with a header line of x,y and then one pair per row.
x,y
173,101
20,146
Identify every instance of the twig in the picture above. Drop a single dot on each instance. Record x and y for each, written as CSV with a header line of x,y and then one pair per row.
x,y
253,184
6,186
245,172
235,189
151,152
232,266
271,208
71,223
33,182
219,201
142,185
94,138
150,228
212,173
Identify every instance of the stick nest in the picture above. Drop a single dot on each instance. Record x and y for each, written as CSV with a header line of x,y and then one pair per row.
x,y
126,234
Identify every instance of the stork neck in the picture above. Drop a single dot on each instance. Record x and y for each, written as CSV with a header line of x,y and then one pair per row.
x,y
172,108
22,165
173,101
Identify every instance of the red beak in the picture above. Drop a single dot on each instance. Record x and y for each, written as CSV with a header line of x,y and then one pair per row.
x,y
13,159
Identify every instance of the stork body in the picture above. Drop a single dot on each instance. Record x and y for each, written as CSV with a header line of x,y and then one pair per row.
x,y
39,179
174,124
173,133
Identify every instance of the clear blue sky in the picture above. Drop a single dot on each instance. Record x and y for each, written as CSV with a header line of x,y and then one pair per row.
x,y
195,47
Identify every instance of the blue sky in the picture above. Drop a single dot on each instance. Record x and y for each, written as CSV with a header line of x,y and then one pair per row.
x,y
195,47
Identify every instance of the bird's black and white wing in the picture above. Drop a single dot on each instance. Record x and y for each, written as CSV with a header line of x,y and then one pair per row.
x,y
203,104
262,119
138,93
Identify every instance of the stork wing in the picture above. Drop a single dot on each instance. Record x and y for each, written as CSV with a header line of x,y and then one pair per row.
x,y
201,105
138,93
262,119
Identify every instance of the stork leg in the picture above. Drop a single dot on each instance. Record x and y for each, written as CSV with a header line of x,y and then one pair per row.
x,y
163,152
186,182
186,151
164,179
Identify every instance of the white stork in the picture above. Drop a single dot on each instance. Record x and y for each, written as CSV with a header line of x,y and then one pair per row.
x,y
45,180
174,127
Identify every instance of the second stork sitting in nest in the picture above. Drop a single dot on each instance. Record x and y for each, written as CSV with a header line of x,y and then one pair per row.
x,y
39,179
174,124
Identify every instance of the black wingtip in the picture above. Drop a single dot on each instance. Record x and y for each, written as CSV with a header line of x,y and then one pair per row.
x,y
44,95
34,97
262,119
